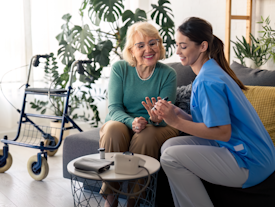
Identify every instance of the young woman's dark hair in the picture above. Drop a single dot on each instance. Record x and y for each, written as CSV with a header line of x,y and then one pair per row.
x,y
199,30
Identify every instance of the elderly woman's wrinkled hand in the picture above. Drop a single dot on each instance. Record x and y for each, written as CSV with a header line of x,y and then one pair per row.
x,y
139,124
148,105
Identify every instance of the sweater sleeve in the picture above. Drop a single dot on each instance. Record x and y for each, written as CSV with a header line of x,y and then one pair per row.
x,y
169,88
115,96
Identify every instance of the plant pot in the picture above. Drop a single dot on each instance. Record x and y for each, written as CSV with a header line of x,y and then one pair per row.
x,y
56,127
269,65
249,63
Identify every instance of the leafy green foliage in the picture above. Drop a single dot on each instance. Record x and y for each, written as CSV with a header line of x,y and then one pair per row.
x,y
243,50
267,39
107,10
82,38
163,17
128,18
39,105
66,52
101,52
112,11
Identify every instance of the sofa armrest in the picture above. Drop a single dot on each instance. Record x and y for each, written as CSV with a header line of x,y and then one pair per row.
x,y
79,144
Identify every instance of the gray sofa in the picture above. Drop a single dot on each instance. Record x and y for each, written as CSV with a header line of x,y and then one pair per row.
x,y
85,143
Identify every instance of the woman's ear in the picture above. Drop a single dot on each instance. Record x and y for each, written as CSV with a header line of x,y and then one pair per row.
x,y
204,46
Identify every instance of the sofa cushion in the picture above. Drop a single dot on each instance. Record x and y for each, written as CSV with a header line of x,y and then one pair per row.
x,y
262,99
185,74
253,77
77,145
183,97
248,76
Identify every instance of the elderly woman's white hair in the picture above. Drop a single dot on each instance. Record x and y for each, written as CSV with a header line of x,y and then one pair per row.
x,y
143,29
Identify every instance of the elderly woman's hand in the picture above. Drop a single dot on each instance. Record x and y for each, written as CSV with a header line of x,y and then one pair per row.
x,y
139,124
148,106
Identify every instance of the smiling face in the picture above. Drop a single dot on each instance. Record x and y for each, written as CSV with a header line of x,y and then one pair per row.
x,y
146,50
188,51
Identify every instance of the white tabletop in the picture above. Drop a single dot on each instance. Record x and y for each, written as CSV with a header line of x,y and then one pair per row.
x,y
151,164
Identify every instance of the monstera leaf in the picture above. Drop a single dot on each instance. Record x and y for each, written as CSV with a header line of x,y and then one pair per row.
x,y
66,52
67,17
93,73
65,28
107,10
128,18
101,52
168,40
82,38
162,15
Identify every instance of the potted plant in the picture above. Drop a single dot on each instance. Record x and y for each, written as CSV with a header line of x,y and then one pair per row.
x,y
250,55
267,38
96,44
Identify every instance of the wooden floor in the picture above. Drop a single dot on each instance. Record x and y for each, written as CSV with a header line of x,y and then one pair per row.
x,y
18,189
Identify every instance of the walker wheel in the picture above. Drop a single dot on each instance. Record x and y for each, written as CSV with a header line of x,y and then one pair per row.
x,y
6,164
47,143
41,173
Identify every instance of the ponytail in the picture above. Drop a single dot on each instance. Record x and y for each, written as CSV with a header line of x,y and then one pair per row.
x,y
216,52
199,30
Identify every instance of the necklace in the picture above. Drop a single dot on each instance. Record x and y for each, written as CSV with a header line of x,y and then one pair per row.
x,y
144,79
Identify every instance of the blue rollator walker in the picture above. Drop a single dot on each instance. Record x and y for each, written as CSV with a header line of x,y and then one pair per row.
x,y
37,136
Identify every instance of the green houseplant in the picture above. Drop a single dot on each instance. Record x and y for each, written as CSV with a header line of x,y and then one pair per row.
x,y
267,38
94,43
243,50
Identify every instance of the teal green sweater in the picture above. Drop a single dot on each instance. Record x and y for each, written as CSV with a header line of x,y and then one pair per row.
x,y
126,91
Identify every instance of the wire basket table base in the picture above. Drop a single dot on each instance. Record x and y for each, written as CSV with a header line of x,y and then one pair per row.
x,y
85,192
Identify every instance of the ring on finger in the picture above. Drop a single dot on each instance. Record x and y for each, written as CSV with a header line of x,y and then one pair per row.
x,y
137,127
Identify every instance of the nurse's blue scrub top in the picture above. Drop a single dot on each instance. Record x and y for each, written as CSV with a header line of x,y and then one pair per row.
x,y
217,100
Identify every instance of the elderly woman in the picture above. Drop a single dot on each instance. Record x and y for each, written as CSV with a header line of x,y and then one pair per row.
x,y
130,124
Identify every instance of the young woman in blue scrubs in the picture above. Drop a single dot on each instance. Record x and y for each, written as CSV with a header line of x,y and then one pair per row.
x,y
229,145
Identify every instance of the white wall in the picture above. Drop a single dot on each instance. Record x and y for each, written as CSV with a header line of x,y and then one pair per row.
x,y
214,12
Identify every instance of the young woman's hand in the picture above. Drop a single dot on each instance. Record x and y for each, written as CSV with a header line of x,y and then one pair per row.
x,y
139,124
167,111
148,105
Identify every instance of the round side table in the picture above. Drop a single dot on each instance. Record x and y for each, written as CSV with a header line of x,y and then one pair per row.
x,y
85,184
